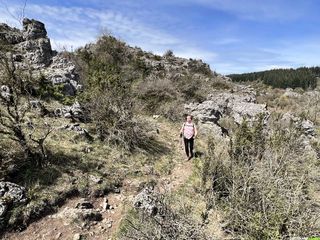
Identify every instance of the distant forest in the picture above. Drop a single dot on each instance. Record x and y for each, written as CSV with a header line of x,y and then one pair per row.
x,y
303,77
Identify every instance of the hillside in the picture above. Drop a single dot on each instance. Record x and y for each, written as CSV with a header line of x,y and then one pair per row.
x,y
90,146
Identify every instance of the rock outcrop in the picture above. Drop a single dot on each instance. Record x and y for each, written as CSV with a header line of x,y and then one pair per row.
x,y
306,126
32,49
239,105
148,201
11,195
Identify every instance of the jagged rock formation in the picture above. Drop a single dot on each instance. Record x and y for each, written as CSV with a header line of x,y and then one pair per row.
x,y
239,104
32,50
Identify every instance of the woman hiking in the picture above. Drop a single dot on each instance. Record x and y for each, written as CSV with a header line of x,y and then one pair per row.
x,y
188,132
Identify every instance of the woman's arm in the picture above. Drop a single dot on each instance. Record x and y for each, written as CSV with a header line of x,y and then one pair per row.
x,y
195,131
181,130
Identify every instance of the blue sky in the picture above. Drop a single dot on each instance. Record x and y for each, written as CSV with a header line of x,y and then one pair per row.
x,y
233,36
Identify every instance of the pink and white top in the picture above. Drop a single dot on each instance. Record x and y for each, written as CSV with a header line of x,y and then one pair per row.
x,y
188,130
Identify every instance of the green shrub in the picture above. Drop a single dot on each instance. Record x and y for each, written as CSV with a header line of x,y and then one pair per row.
x,y
263,184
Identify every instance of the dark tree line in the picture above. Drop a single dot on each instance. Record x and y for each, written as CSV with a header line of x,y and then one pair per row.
x,y
303,77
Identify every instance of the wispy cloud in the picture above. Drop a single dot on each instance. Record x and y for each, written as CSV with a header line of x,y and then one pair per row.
x,y
233,36
253,9
72,27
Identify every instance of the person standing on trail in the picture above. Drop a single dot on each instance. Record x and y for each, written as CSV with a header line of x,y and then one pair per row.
x,y
188,132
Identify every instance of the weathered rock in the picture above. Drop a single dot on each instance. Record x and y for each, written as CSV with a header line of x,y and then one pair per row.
x,y
12,191
33,49
33,29
36,104
5,93
81,132
77,236
11,194
63,71
147,200
83,204
290,93
69,89
105,204
74,111
10,35
239,105
3,208
308,128
95,179
69,215
76,128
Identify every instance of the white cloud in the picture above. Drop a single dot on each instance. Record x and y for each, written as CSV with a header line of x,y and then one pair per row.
x,y
74,27
254,9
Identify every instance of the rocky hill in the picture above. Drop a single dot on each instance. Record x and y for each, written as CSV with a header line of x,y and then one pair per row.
x,y
90,148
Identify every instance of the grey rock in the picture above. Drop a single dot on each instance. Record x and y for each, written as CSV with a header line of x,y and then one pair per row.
x,y
11,194
105,204
291,94
95,179
70,215
79,130
5,93
36,104
239,105
33,50
5,88
58,236
10,35
308,128
13,191
76,128
74,111
38,52
77,236
58,112
69,89
84,204
147,200
3,208
109,224
68,115
33,29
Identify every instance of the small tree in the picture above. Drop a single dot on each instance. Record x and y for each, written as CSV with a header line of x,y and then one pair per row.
x,y
15,106
168,54
12,108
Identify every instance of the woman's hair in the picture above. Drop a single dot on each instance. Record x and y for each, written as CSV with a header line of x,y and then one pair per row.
x,y
188,115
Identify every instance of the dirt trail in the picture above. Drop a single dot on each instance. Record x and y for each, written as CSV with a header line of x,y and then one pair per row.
x,y
54,227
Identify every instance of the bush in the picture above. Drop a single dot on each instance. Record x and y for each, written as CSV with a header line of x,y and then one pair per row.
x,y
191,88
263,186
155,93
107,95
168,54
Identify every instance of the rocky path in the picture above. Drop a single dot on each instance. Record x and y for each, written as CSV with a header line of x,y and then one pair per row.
x,y
65,224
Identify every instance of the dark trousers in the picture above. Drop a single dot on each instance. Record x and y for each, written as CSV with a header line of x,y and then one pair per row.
x,y
188,146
